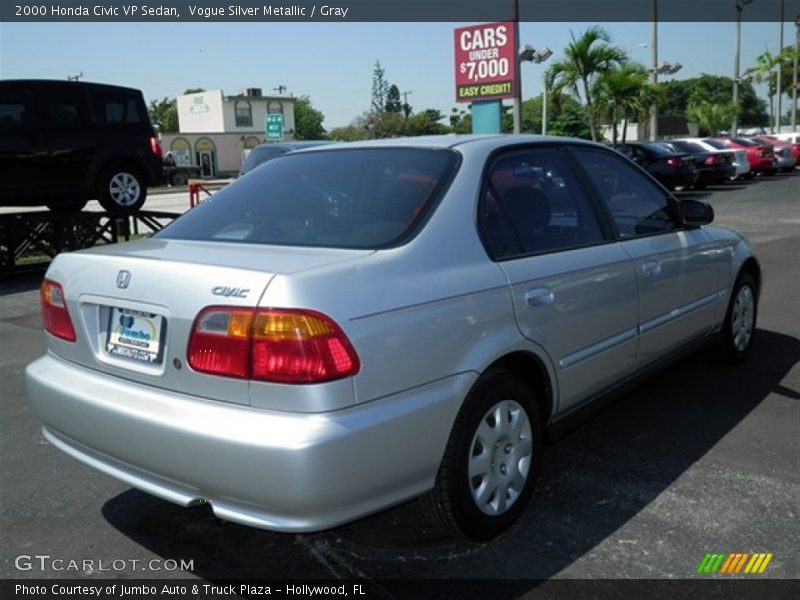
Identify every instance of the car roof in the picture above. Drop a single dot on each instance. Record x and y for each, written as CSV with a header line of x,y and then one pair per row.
x,y
472,141
65,84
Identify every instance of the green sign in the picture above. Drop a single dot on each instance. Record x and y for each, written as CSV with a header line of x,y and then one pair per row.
x,y
273,126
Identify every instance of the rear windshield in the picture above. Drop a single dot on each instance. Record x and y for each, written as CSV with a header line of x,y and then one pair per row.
x,y
716,144
359,198
660,149
689,147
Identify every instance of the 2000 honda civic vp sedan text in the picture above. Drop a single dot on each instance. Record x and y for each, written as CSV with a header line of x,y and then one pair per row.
x,y
355,325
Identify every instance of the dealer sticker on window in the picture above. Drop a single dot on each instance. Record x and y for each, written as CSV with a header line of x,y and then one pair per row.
x,y
135,335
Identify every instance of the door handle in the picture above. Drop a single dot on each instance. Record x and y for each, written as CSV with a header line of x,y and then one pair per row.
x,y
651,269
539,297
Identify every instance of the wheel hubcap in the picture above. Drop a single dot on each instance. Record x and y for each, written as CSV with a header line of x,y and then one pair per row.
x,y
500,457
124,189
742,318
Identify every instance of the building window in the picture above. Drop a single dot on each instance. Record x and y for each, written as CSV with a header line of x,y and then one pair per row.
x,y
244,114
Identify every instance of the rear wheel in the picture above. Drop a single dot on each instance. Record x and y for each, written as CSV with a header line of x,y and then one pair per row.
x,y
492,459
740,320
121,189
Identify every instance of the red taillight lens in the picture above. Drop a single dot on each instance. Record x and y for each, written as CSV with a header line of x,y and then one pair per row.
x,y
711,160
54,311
220,341
674,162
155,147
280,345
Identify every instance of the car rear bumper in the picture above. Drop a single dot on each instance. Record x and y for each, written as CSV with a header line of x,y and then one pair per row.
x,y
280,471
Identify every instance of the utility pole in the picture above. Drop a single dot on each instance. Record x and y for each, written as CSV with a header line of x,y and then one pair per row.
x,y
794,72
406,105
740,4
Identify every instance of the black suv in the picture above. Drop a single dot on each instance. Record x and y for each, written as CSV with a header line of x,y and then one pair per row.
x,y
63,143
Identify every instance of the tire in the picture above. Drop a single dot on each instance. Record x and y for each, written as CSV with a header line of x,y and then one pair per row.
x,y
739,327
121,188
179,179
465,498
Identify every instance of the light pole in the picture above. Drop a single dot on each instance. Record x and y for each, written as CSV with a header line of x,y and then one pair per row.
x,y
654,71
794,71
740,4
528,54
517,110
780,68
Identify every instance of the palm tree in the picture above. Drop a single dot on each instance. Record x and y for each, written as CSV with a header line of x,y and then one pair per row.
x,y
619,94
762,72
586,57
710,116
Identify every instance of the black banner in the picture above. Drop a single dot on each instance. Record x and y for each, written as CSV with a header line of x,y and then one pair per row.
x,y
591,11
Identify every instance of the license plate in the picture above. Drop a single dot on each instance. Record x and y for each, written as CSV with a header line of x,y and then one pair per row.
x,y
135,335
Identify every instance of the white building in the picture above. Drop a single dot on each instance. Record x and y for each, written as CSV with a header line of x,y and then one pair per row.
x,y
216,131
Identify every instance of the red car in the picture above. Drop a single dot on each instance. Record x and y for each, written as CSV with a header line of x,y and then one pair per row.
x,y
759,157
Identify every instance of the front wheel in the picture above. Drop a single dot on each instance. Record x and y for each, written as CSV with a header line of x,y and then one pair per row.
x,y
121,189
740,320
492,459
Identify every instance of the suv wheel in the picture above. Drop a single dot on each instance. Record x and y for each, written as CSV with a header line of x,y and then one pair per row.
x,y
492,459
121,189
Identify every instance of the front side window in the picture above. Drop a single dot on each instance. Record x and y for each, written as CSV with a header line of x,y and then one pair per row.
x,y
532,203
636,204
360,198
14,115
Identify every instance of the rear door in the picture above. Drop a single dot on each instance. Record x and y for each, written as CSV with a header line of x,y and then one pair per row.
x,y
24,167
676,268
574,288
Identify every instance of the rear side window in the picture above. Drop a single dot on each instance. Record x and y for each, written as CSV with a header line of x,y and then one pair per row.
x,y
117,108
637,205
359,198
533,203
66,110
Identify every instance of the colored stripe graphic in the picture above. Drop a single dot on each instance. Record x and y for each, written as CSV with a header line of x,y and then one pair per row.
x,y
734,563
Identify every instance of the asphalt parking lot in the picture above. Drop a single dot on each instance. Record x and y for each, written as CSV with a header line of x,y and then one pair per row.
x,y
701,459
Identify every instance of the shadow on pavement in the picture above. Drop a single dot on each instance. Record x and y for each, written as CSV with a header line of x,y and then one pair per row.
x,y
593,482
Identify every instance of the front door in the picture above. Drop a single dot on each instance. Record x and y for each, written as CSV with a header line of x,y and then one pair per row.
x,y
574,288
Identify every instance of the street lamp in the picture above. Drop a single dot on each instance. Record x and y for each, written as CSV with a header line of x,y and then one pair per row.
x,y
740,4
779,78
528,54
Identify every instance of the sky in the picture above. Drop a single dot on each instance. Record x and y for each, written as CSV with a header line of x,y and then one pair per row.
x,y
332,62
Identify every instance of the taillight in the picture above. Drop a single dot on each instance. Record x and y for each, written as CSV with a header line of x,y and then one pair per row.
x,y
674,162
54,311
711,160
280,345
220,341
155,147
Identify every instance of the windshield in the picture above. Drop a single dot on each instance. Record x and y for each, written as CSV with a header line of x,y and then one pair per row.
x,y
354,198
716,144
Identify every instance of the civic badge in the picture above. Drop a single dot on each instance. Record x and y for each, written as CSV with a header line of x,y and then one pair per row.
x,y
123,279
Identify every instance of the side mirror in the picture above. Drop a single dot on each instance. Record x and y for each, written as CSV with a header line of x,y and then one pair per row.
x,y
695,213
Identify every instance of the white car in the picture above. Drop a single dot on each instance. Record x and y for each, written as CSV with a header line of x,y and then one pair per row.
x,y
739,156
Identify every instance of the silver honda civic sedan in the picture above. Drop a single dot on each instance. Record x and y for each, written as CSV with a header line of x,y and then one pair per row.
x,y
353,326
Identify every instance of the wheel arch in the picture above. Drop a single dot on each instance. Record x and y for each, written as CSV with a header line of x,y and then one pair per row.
x,y
532,370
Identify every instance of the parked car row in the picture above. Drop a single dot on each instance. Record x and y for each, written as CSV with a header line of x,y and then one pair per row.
x,y
698,162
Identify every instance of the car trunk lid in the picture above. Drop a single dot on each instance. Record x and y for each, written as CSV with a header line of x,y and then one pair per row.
x,y
133,306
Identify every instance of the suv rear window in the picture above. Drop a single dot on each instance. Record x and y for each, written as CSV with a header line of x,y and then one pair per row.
x,y
354,198
117,108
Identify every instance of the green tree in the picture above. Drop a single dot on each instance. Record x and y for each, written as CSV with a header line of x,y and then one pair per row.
x,y
393,104
585,58
348,133
570,122
307,120
619,94
164,115
380,88
710,116
677,94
